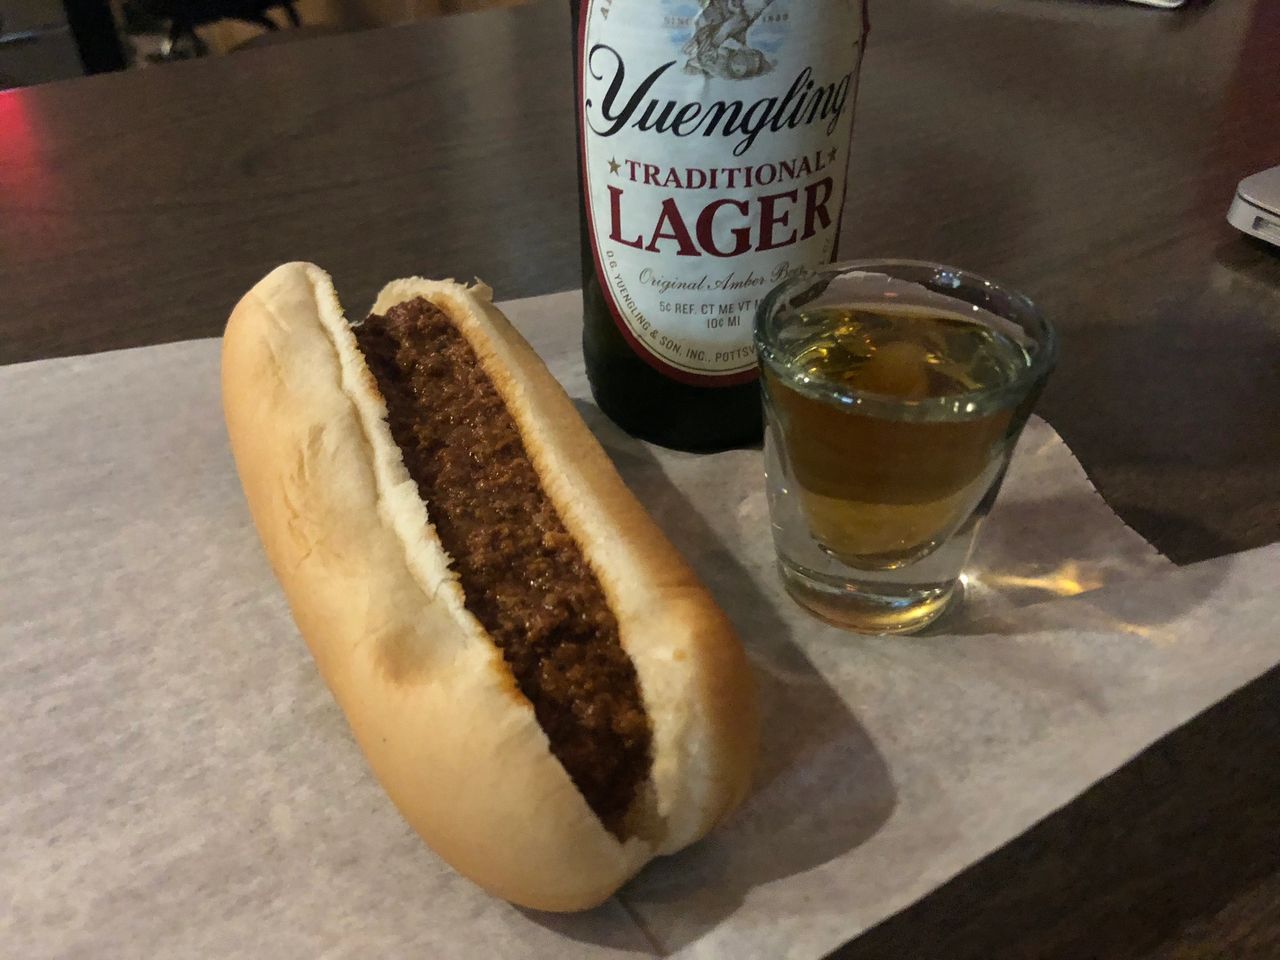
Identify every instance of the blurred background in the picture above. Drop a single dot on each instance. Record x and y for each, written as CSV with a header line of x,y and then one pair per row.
x,y
43,40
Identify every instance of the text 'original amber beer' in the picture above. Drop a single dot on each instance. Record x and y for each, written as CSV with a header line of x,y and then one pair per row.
x,y
714,152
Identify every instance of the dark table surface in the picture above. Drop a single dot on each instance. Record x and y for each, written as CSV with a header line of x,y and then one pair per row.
x,y
1083,152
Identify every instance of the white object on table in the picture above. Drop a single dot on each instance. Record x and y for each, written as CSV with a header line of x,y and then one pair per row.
x,y
1256,207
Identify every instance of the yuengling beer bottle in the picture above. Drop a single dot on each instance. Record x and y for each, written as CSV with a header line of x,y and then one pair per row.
x,y
714,146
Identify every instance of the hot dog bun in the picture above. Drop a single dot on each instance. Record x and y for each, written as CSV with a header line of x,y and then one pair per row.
x,y
427,694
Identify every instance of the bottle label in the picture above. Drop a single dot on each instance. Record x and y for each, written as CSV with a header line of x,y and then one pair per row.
x,y
715,149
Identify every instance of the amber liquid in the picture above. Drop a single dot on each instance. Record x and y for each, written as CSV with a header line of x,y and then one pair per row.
x,y
894,421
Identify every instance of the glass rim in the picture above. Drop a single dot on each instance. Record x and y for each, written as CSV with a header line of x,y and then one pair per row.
x,y
1042,332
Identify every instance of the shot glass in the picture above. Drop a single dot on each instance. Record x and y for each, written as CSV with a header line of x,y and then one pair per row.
x,y
894,394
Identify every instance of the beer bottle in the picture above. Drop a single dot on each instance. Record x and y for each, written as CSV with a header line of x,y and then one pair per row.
x,y
713,153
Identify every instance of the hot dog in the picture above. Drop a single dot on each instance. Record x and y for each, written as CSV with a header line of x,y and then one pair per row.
x,y
535,676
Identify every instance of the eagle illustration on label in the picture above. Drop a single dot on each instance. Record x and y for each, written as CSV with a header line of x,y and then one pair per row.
x,y
719,46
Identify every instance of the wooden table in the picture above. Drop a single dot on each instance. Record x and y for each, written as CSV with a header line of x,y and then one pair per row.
x,y
1084,152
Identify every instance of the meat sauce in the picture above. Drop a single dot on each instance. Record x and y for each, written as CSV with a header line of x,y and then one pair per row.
x,y
523,576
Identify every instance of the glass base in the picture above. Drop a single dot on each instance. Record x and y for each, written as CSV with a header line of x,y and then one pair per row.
x,y
875,608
